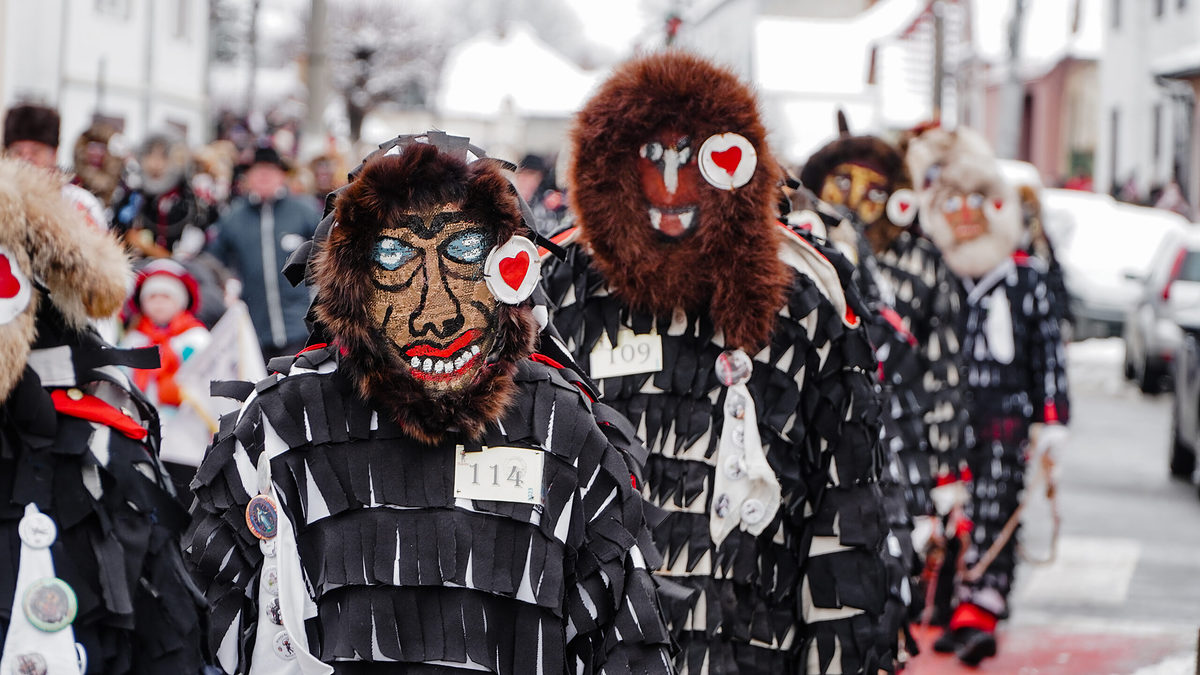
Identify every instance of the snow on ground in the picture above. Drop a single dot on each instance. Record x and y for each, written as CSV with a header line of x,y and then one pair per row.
x,y
1096,364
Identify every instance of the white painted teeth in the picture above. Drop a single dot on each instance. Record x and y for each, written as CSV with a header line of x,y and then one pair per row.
x,y
439,366
474,349
685,219
416,362
445,366
655,218
427,366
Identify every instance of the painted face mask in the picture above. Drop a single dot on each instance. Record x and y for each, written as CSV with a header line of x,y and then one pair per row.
x,y
431,301
422,281
859,188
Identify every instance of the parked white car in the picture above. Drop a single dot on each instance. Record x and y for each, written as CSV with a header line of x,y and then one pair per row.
x,y
1106,248
1152,335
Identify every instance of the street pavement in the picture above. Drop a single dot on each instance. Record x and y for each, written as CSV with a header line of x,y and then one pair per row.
x,y
1122,596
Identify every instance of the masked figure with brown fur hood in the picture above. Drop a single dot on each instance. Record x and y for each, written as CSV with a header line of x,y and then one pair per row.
x,y
92,580
919,300
729,342
1013,357
426,493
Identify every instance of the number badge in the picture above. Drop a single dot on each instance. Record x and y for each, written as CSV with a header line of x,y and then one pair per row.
x,y
634,354
500,474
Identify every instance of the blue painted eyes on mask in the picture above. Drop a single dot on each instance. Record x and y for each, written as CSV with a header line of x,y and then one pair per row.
x,y
469,247
391,253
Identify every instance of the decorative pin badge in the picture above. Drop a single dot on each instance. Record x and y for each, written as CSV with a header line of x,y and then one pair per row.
x,y
50,604
31,663
271,579
262,517
15,290
902,207
512,270
274,613
734,367
37,530
284,647
727,161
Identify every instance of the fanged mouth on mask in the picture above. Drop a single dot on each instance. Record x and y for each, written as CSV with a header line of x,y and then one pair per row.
x,y
669,176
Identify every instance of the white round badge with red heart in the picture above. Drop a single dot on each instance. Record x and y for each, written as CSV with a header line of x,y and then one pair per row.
x,y
15,290
902,207
727,161
512,270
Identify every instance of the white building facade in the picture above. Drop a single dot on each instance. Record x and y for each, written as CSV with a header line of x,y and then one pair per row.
x,y
1150,60
140,63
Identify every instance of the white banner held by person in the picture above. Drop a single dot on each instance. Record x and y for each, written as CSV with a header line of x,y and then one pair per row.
x,y
233,354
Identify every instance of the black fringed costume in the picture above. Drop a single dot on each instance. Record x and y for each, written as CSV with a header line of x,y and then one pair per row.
x,y
380,563
80,444
1008,388
811,585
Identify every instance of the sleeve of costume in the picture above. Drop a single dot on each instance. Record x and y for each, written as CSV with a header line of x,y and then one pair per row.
x,y
945,416
1048,375
224,555
844,587
615,624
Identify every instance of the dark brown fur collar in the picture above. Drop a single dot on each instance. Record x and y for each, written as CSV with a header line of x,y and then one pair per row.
x,y
730,263
420,177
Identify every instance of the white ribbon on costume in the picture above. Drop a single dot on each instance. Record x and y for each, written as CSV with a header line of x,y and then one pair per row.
x,y
746,492
292,595
57,650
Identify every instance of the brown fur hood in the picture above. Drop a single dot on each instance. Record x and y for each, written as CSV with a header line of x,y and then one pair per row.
x,y
729,262
43,238
416,178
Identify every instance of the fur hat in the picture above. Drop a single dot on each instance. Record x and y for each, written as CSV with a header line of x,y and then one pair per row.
x,y
49,253
30,122
408,178
728,264
961,162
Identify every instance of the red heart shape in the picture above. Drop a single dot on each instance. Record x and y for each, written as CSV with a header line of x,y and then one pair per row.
x,y
904,206
728,159
998,204
513,269
9,286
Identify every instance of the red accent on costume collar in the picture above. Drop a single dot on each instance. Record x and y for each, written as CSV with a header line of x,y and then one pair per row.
x,y
1020,257
542,358
557,239
93,409
319,345
1050,413
973,616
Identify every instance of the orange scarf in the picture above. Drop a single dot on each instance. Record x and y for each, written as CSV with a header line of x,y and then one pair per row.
x,y
164,375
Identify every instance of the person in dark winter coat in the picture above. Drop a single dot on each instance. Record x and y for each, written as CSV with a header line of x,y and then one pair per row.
x,y
918,300
158,214
254,239
731,345
92,580
1014,362
426,493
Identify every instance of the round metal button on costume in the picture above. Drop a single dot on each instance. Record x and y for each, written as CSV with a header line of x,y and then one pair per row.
x,y
721,506
735,467
37,530
271,579
274,613
734,367
753,511
74,394
284,648
262,517
31,663
267,546
735,406
50,604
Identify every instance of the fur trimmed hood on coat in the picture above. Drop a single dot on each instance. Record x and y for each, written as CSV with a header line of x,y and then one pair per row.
x,y
961,162
84,271
728,263
418,177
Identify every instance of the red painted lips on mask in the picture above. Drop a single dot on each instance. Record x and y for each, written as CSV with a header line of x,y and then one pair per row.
x,y
670,177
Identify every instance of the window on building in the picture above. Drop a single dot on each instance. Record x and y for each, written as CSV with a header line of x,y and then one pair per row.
x,y
1156,142
1115,11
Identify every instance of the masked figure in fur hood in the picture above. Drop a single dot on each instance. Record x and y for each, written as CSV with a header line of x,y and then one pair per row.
x,y
93,580
918,300
425,493
1013,356
730,344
